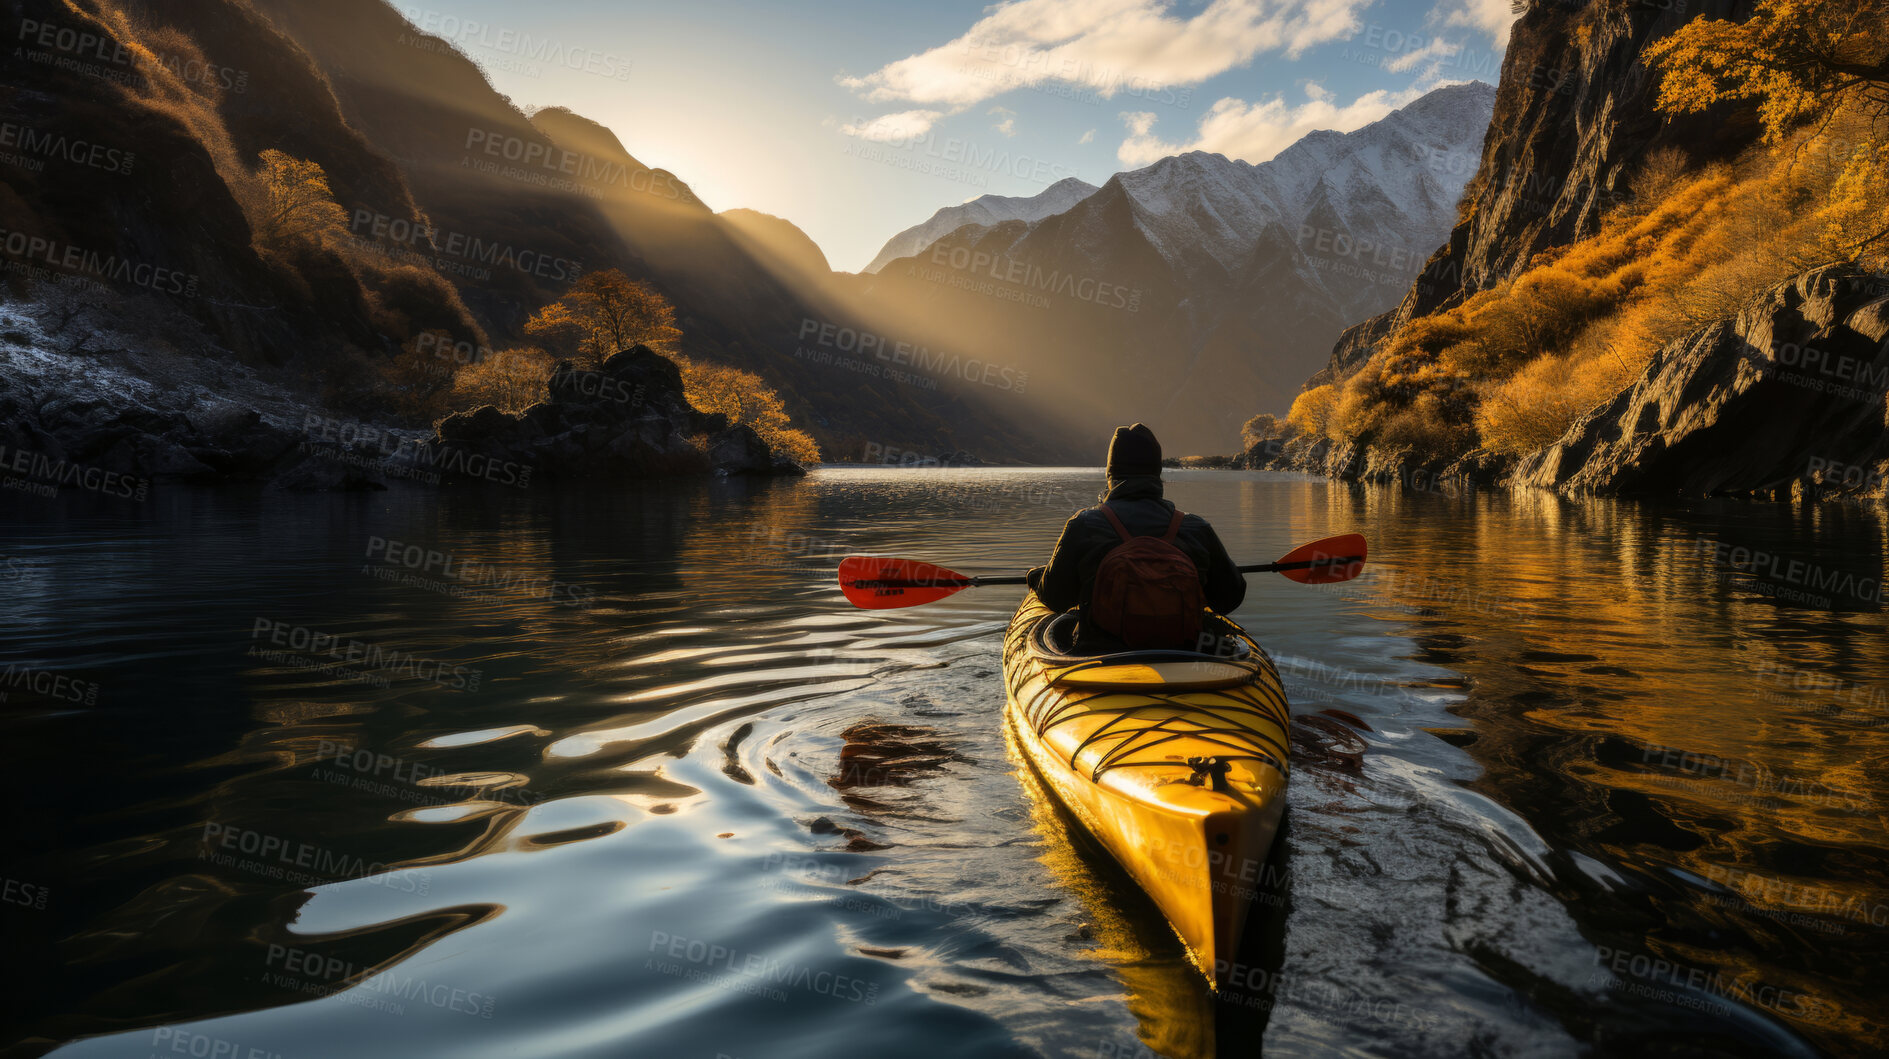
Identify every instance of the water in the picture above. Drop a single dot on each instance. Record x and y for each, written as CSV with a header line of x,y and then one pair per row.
x,y
618,773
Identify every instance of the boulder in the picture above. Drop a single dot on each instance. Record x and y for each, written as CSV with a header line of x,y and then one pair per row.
x,y
739,450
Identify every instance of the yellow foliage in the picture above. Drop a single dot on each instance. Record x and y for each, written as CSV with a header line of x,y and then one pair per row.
x,y
1526,357
744,397
510,379
1261,427
296,202
1359,411
1539,403
1804,61
1799,59
603,314
1856,217
1311,410
1425,430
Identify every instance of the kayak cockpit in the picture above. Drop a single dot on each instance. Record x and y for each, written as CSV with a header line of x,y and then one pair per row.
x,y
1226,661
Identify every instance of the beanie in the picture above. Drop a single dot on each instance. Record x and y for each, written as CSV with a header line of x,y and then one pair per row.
x,y
1134,451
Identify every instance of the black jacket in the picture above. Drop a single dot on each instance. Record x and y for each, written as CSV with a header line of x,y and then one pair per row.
x,y
1069,579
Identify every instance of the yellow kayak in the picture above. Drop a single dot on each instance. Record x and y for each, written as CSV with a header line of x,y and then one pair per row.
x,y
1175,761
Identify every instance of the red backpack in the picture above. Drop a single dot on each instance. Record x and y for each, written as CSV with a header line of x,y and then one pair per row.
x,y
1147,591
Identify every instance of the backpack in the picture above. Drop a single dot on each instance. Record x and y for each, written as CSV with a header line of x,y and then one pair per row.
x,y
1147,591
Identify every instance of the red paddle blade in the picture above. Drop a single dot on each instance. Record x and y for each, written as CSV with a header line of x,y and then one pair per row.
x,y
874,582
1349,547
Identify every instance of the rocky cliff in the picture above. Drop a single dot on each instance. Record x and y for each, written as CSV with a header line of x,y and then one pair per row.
x,y
1573,119
1786,399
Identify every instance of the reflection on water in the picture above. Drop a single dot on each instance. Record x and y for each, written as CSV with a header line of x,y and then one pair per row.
x,y
587,773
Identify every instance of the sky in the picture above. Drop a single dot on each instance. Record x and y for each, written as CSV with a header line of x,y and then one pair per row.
x,y
856,119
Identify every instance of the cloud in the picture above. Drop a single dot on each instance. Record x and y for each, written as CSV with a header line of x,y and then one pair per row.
x,y
904,125
1087,137
1438,48
1490,16
1008,126
1105,46
1255,132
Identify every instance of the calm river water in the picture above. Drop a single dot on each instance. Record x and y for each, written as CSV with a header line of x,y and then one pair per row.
x,y
619,773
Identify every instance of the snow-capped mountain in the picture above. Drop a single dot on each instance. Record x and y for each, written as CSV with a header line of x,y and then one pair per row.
x,y
984,210
1239,277
1366,207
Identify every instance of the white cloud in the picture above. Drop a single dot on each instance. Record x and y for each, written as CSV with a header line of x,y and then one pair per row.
x,y
1254,132
1087,137
1438,48
1008,126
1490,16
1104,45
904,125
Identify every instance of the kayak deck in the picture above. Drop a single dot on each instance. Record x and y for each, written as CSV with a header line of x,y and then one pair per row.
x,y
1113,736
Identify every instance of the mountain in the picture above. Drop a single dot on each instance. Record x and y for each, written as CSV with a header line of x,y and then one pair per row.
x,y
565,188
1199,290
459,214
1562,151
779,245
1735,406
984,211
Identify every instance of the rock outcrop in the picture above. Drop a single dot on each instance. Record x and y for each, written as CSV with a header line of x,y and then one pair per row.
x,y
117,421
1786,399
629,419
1349,461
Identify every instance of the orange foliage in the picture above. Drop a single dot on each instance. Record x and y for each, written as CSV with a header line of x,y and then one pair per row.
x,y
1818,62
1523,359
745,397
1311,410
605,313
511,380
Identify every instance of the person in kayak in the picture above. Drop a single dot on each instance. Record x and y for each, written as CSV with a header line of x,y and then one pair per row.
x,y
1137,570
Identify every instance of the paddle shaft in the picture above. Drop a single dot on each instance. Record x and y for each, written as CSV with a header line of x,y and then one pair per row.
x,y
1273,568
974,582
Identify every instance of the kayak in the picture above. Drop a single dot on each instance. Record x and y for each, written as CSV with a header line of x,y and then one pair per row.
x,y
1175,761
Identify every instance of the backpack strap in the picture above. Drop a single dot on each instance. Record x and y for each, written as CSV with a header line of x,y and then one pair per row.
x,y
1174,524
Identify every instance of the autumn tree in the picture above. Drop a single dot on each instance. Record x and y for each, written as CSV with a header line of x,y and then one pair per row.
x,y
296,202
745,397
1800,61
1797,58
603,314
1260,428
510,380
415,383
1312,409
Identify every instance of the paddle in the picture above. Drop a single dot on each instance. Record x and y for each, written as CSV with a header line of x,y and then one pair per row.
x,y
877,583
